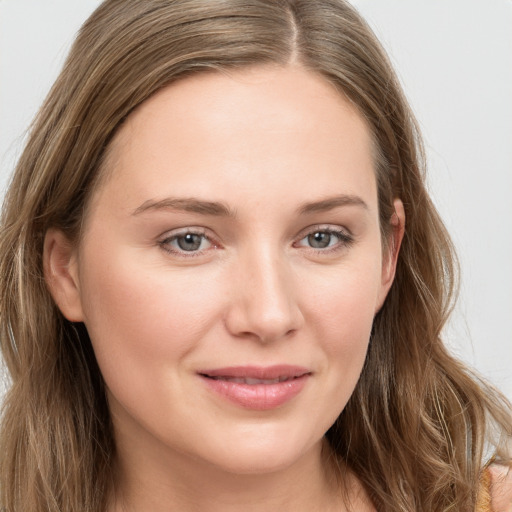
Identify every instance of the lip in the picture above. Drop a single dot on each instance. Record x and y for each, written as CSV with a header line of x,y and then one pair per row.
x,y
285,382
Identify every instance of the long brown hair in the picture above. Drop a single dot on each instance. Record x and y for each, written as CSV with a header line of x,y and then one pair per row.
x,y
418,426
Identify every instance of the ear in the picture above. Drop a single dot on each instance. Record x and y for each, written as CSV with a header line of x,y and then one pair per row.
x,y
60,265
390,256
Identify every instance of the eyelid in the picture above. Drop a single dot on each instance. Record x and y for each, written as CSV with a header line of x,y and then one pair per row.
x,y
334,228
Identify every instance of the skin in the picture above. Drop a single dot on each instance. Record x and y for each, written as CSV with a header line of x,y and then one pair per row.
x,y
256,292
501,488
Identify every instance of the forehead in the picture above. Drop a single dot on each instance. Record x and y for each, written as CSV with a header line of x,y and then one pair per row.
x,y
254,132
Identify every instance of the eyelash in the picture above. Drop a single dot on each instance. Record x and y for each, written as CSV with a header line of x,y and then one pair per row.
x,y
345,240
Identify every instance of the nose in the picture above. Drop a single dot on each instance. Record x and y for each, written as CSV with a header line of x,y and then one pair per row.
x,y
264,303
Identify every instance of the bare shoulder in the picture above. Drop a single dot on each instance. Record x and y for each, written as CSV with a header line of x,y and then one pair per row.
x,y
501,488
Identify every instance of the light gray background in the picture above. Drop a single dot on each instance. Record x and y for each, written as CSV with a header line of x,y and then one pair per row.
x,y
454,58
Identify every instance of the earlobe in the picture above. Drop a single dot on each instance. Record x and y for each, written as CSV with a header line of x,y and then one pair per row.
x,y
61,274
390,258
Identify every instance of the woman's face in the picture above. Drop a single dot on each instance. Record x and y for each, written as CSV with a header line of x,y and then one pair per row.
x,y
231,267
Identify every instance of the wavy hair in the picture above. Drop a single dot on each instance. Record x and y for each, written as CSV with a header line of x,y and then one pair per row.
x,y
418,427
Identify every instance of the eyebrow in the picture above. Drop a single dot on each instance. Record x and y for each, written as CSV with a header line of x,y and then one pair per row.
x,y
220,209
187,205
331,203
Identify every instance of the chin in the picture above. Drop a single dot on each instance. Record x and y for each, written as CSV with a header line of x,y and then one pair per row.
x,y
263,452
262,463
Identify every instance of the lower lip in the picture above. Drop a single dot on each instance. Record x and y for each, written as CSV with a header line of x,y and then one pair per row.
x,y
258,397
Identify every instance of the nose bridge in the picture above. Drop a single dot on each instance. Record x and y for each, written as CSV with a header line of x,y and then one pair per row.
x,y
266,305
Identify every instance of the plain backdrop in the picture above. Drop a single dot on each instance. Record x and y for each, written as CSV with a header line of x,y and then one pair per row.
x,y
454,58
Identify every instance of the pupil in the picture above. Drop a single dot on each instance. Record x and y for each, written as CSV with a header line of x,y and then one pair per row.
x,y
189,242
319,240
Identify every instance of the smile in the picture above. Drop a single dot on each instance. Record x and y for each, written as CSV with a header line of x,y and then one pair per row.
x,y
252,382
257,388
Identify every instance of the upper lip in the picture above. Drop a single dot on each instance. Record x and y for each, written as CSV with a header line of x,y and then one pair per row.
x,y
258,372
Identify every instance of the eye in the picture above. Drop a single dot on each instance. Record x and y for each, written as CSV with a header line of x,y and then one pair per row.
x,y
321,239
191,242
325,239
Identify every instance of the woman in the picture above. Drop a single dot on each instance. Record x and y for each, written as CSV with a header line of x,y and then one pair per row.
x,y
223,281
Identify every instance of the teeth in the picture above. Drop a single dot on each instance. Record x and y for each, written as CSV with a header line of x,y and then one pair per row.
x,y
251,382
260,381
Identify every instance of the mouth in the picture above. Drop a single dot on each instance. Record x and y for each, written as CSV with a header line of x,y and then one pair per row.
x,y
257,374
257,388
251,381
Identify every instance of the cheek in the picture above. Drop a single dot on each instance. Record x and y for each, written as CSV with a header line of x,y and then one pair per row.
x,y
342,313
343,300
347,323
142,314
